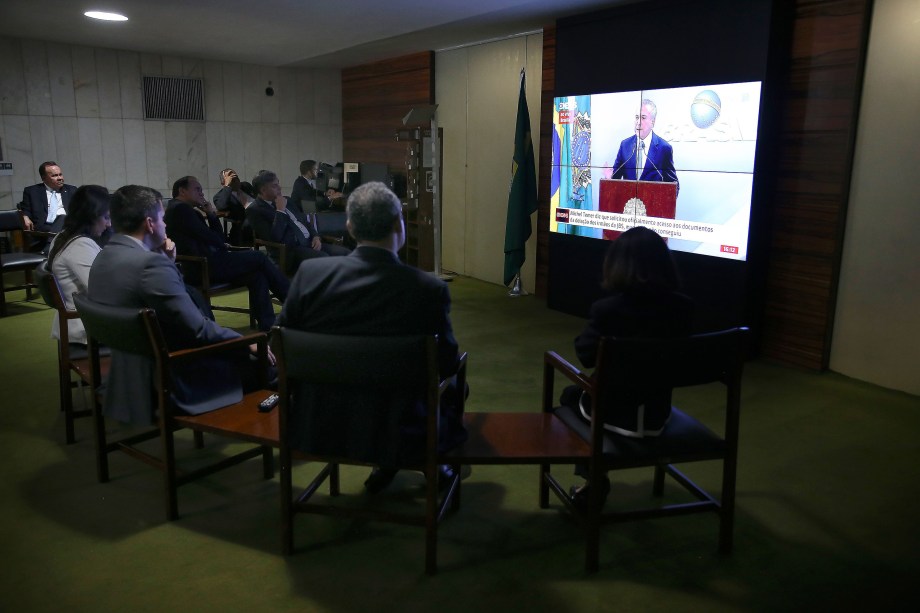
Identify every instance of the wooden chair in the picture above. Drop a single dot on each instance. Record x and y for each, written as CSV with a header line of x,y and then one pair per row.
x,y
637,365
25,262
36,241
72,358
386,371
208,290
276,252
137,331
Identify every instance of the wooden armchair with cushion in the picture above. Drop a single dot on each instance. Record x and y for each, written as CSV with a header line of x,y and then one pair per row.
x,y
72,357
137,332
380,374
636,366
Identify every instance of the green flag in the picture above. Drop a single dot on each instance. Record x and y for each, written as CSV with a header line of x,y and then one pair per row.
x,y
522,199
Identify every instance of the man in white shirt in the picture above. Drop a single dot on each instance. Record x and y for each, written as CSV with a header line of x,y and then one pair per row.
x,y
44,205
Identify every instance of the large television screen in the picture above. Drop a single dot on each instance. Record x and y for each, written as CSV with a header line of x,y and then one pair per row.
x,y
678,160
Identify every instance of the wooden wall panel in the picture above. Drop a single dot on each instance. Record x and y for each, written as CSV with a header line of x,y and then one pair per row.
x,y
547,92
375,98
819,115
820,112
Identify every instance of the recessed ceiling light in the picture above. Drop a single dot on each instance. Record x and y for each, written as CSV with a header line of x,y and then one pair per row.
x,y
105,16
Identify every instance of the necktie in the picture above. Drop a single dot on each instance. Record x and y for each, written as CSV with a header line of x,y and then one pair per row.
x,y
303,228
640,159
54,203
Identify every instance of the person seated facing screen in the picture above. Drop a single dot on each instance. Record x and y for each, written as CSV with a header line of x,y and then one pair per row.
x,y
75,248
232,200
644,302
273,218
137,270
305,190
192,223
372,293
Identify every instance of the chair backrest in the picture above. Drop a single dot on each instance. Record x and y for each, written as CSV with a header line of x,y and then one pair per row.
x,y
120,328
10,220
352,392
642,364
331,223
48,287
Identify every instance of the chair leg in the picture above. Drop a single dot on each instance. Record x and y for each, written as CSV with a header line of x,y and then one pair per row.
x,y
334,480
543,488
431,523
287,511
268,462
102,452
658,483
66,391
169,472
727,510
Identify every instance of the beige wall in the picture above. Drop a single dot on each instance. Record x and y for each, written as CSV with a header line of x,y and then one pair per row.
x,y
477,94
81,107
877,327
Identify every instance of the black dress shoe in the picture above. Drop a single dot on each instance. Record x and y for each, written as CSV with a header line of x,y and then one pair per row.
x,y
379,479
579,495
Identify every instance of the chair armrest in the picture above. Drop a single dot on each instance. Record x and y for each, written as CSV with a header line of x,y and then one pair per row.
x,y
552,362
222,346
238,248
202,263
281,247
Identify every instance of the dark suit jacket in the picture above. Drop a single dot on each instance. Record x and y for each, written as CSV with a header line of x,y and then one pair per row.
x,y
35,204
192,233
640,314
127,275
268,225
226,200
303,191
371,293
659,163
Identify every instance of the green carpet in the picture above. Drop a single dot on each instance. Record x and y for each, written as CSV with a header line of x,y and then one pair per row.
x,y
827,506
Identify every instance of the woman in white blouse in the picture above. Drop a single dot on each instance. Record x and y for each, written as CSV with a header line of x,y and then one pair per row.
x,y
74,249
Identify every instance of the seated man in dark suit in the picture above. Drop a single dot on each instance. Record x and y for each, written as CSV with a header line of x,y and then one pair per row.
x,y
44,206
193,225
371,292
232,200
305,190
137,269
273,218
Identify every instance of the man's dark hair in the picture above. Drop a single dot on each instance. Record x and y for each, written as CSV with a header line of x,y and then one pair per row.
x,y
131,205
639,259
373,209
181,183
42,172
307,165
264,177
88,204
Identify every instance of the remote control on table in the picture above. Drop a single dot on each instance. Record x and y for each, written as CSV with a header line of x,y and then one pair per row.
x,y
269,403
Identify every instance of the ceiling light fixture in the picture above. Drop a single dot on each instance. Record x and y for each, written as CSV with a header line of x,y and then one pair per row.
x,y
105,16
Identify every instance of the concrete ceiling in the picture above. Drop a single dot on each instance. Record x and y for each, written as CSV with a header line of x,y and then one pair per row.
x,y
289,33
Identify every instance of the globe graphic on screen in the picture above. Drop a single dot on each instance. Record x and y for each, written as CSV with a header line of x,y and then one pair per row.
x,y
705,109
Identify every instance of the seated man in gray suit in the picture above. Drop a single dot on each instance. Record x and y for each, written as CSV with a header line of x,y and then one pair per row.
x,y
137,269
372,293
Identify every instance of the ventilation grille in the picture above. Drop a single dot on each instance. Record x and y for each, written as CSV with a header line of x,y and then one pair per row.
x,y
173,98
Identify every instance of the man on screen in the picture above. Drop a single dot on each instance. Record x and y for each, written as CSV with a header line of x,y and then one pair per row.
x,y
646,155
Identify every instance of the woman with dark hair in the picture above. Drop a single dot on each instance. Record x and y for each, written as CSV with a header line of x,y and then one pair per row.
x,y
644,302
74,249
